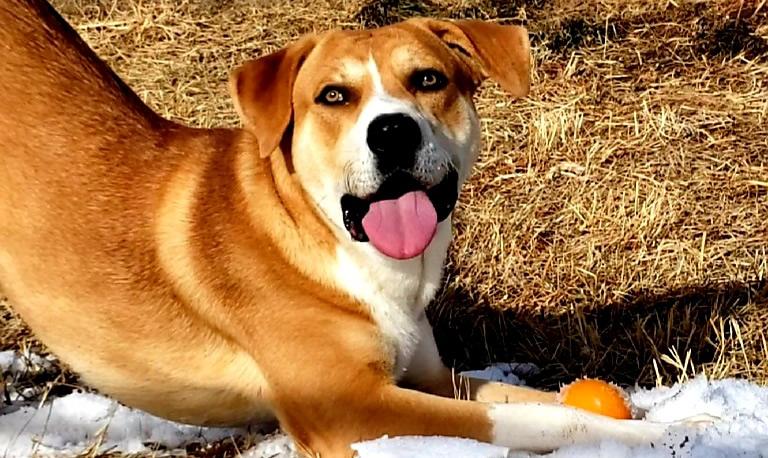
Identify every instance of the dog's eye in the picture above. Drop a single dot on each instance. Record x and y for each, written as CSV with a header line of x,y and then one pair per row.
x,y
333,95
428,80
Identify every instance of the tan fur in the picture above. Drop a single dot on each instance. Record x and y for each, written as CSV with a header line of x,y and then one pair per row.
x,y
187,272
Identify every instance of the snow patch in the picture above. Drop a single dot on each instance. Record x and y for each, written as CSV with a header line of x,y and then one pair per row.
x,y
512,373
14,362
428,447
274,446
72,424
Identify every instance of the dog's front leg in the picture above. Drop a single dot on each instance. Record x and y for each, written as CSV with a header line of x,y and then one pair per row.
x,y
428,373
354,398
327,421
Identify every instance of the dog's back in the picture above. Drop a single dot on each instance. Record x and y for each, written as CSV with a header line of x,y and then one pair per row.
x,y
74,142
68,127
50,74
83,166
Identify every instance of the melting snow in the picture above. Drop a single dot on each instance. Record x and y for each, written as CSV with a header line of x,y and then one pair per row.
x,y
71,424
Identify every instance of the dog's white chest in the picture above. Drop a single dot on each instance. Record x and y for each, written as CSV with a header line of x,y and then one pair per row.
x,y
395,292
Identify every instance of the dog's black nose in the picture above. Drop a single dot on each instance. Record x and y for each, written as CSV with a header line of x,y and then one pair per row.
x,y
394,139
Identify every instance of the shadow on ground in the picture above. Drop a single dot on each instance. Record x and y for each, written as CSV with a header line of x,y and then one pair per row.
x,y
618,342
715,35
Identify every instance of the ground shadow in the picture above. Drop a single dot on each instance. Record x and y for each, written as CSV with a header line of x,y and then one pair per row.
x,y
715,34
617,341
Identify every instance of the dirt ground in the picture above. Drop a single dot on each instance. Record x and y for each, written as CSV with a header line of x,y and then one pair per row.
x,y
617,224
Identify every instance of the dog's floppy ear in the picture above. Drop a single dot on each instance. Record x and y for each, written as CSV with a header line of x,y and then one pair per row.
x,y
263,91
501,52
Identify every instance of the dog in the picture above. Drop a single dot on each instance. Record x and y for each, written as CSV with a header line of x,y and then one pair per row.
x,y
276,271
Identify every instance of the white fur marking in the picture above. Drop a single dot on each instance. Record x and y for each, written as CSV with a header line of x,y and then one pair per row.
x,y
395,292
373,70
545,427
425,366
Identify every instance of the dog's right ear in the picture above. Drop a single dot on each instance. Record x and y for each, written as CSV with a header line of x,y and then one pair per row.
x,y
501,52
263,92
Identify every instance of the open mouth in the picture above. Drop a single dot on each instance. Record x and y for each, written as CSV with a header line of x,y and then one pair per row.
x,y
400,218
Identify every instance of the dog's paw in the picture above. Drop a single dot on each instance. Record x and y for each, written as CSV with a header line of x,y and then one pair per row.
x,y
642,431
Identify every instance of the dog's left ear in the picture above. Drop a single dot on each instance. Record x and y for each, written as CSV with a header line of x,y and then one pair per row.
x,y
263,92
501,52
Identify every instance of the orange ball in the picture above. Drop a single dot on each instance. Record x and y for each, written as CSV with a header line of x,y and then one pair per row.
x,y
597,397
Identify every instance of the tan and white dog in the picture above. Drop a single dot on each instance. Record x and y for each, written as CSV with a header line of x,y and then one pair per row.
x,y
221,277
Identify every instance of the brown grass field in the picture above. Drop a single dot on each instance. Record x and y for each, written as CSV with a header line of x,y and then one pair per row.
x,y
617,224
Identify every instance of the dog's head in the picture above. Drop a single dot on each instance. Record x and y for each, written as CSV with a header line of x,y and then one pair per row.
x,y
379,124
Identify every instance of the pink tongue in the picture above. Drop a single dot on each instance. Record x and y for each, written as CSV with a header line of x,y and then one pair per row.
x,y
402,228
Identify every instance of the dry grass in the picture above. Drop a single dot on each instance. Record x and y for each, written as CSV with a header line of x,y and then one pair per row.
x,y
621,211
617,224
